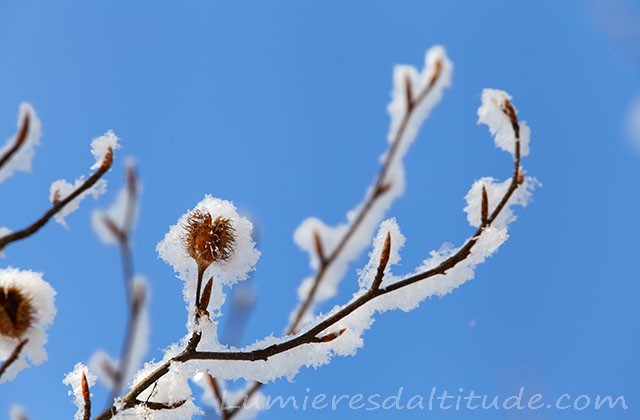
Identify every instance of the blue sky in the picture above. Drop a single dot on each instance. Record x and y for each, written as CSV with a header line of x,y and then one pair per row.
x,y
281,107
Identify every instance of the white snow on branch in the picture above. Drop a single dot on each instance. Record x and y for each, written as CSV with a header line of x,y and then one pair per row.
x,y
21,160
101,145
492,114
74,380
436,62
61,188
40,296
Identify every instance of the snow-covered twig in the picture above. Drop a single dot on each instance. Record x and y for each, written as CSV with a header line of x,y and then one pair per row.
x,y
59,205
328,328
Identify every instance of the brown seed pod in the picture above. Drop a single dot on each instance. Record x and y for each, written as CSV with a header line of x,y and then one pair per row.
x,y
208,240
16,312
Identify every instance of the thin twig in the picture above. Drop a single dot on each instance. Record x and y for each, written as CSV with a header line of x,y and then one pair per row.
x,y
59,205
215,388
20,139
135,301
13,356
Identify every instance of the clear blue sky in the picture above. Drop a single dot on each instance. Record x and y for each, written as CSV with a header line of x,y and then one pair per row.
x,y
280,107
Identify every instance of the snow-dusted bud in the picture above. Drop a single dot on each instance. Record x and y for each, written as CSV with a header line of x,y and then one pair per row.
x,y
16,312
208,240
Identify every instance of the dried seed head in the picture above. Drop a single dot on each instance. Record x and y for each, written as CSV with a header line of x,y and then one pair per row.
x,y
208,240
16,312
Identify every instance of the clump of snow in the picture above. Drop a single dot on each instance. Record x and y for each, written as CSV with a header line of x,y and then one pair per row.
x,y
41,295
74,380
101,145
436,58
172,388
21,160
62,188
225,273
492,114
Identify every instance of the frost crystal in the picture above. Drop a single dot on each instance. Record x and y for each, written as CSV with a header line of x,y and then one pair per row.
x,y
40,296
21,160
491,113
74,380
100,146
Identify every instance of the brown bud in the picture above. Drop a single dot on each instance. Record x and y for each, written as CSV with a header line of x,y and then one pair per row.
x,y
207,240
520,176
108,159
331,336
55,197
86,396
485,206
436,73
510,112
16,312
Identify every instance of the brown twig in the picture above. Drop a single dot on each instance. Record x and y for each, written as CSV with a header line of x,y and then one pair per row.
x,y
20,139
311,336
13,356
380,187
135,300
59,205
384,260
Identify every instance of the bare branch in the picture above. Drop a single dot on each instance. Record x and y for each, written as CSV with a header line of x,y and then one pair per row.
x,y
13,356
58,206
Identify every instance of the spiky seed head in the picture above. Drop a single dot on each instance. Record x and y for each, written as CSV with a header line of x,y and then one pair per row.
x,y
16,312
208,240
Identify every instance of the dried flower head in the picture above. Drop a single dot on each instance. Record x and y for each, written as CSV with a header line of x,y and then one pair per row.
x,y
16,312
207,240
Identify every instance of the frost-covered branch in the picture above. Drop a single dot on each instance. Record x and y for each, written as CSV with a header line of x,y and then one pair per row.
x,y
213,239
59,203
